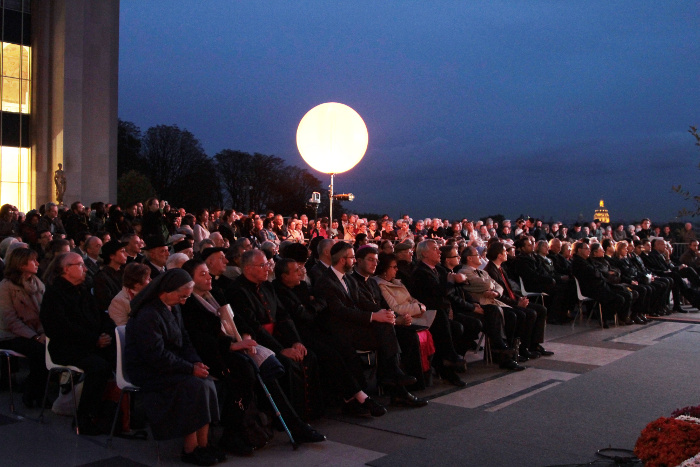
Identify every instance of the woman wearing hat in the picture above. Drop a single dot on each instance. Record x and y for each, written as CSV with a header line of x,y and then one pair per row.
x,y
179,397
108,282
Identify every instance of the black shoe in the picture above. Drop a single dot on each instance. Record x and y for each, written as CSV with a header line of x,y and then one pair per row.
x,y
306,434
369,407
511,365
408,400
679,310
353,407
523,358
200,456
375,408
400,379
545,353
217,453
452,377
529,353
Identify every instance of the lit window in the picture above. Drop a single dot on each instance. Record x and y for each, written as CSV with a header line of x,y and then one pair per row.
x,y
16,67
15,170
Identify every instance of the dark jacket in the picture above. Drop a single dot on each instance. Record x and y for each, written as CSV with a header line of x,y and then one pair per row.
x,y
342,307
72,321
590,279
535,278
106,285
204,330
429,288
158,352
250,313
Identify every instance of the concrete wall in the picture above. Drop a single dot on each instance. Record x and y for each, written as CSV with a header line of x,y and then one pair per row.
x,y
75,83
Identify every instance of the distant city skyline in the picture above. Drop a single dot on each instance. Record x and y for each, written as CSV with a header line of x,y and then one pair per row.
x,y
473,109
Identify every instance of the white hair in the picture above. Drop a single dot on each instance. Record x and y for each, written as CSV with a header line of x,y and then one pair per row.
x,y
176,260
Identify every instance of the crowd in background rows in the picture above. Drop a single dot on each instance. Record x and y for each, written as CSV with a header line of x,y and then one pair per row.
x,y
419,293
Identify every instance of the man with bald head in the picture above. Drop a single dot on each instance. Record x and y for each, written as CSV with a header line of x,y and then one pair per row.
x,y
562,266
81,334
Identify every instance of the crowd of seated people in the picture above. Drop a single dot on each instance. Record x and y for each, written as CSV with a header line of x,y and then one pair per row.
x,y
317,294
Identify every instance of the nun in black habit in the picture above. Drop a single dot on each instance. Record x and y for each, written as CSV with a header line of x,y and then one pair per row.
x,y
179,397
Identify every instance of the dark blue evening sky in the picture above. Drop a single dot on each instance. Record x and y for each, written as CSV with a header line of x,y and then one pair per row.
x,y
472,108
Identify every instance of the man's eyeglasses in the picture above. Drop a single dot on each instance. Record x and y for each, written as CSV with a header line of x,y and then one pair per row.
x,y
82,265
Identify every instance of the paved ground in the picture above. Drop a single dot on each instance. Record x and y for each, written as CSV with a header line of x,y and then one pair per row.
x,y
599,389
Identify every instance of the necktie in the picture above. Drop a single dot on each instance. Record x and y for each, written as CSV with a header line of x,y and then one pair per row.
x,y
511,295
265,305
346,285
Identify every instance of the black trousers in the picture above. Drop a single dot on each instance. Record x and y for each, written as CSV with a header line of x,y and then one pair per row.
x,y
380,337
340,365
241,385
520,323
98,368
442,337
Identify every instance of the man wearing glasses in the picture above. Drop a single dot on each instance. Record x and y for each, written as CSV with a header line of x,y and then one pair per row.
x,y
81,334
359,328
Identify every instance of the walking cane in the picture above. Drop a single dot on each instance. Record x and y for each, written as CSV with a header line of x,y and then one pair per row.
x,y
236,335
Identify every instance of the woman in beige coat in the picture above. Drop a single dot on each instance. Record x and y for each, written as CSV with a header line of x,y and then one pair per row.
x,y
21,293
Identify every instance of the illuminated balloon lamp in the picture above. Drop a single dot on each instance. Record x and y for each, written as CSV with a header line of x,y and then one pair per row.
x,y
332,138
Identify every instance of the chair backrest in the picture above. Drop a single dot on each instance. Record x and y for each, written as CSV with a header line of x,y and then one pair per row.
x,y
522,287
119,333
50,365
580,296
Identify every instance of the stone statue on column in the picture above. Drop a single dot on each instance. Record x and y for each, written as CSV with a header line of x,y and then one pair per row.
x,y
59,180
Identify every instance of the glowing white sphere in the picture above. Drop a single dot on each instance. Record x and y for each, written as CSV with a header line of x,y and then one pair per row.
x,y
332,138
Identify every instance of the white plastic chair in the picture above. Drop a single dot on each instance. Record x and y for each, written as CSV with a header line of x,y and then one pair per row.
x,y
527,294
7,353
54,368
122,382
581,300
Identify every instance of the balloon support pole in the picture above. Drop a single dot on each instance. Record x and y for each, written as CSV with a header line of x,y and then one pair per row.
x,y
330,209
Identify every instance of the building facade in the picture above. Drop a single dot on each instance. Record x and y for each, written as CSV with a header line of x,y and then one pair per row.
x,y
59,100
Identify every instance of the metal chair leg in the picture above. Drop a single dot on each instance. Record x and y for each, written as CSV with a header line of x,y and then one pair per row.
x,y
114,422
75,404
46,394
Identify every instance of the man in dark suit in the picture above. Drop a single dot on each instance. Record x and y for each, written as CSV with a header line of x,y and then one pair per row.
x,y
361,329
157,254
340,365
324,260
657,263
133,248
371,299
537,279
496,254
428,288
593,285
